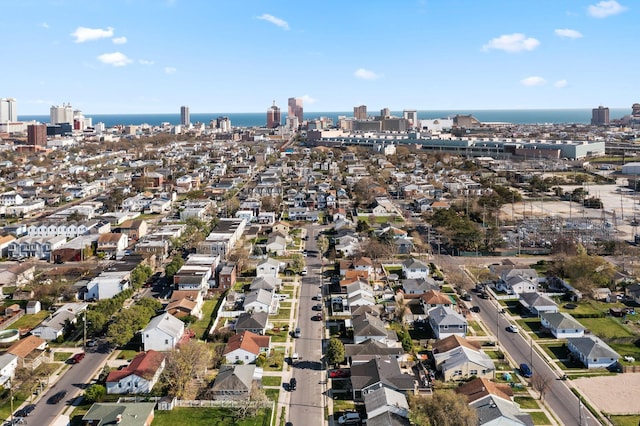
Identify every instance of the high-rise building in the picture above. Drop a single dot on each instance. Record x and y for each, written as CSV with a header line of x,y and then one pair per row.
x,y
411,115
274,118
185,119
600,116
635,110
295,109
8,111
223,123
37,134
61,114
385,113
360,112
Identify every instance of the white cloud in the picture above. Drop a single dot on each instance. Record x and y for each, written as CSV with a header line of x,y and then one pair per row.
x,y
275,21
561,83
533,81
606,8
44,25
170,70
119,40
83,34
566,32
511,43
145,62
365,74
117,59
308,99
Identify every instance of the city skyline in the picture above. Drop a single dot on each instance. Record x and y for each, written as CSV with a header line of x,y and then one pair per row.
x,y
119,57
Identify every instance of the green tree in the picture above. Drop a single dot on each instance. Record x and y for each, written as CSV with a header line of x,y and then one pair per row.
x,y
335,351
173,267
96,321
95,393
443,408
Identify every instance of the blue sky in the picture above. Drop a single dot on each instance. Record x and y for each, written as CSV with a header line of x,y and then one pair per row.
x,y
146,56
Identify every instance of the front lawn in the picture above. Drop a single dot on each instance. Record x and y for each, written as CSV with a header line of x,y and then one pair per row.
x,y
208,416
272,394
271,380
477,328
127,354
539,418
62,356
283,314
278,336
527,403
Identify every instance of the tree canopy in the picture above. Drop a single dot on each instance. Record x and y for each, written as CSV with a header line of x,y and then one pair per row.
x,y
443,408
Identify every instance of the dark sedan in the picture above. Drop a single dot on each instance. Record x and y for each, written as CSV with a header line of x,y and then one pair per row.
x,y
57,397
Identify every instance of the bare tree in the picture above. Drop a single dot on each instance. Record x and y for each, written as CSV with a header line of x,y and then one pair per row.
x,y
249,407
189,361
540,384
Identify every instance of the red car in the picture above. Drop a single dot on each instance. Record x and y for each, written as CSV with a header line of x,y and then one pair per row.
x,y
77,358
339,374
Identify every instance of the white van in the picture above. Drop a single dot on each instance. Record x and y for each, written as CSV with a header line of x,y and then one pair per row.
x,y
304,271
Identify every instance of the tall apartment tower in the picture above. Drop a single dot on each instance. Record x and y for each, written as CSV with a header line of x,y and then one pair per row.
x,y
411,115
274,117
600,116
295,109
61,114
635,110
360,112
8,111
385,113
37,134
185,118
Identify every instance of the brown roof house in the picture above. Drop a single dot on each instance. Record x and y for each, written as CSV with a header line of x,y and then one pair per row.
x,y
245,347
31,352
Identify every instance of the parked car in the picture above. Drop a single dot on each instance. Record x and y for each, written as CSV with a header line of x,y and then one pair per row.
x,y
318,317
525,371
340,373
77,358
25,411
57,397
512,329
475,309
292,384
296,332
304,271
349,419
466,297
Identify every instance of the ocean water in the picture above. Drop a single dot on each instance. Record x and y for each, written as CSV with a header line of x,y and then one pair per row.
x,y
253,119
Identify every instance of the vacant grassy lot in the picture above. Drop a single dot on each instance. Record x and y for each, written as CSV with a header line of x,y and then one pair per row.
x,y
283,314
625,420
30,321
208,417
606,328
200,327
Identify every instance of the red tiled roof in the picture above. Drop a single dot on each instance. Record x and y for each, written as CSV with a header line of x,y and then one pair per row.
x,y
481,387
24,347
144,365
247,341
433,297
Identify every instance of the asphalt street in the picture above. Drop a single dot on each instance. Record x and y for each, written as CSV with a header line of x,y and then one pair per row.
x,y
306,406
558,396
74,381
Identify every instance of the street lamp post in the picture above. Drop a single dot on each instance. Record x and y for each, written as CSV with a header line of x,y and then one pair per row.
x,y
11,398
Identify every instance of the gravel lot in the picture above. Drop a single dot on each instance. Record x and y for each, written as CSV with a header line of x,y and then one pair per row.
x,y
612,394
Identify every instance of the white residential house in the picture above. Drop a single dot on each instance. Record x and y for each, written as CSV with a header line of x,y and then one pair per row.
x,y
8,365
140,376
53,327
162,333
260,301
592,352
413,268
107,285
268,267
245,347
561,325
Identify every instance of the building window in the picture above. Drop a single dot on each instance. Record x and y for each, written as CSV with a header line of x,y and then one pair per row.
x,y
473,372
166,341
